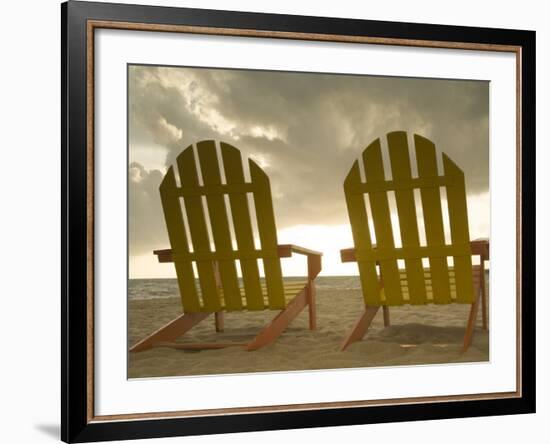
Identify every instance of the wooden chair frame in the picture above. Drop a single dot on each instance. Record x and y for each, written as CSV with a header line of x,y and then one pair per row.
x,y
479,247
216,269
379,266
166,335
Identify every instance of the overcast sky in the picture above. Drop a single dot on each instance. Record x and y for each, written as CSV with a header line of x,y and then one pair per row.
x,y
305,130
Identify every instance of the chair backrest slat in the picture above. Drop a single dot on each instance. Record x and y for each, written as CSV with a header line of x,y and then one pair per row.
x,y
360,229
198,230
216,264
234,174
210,168
179,242
268,235
374,172
433,221
413,284
458,220
406,211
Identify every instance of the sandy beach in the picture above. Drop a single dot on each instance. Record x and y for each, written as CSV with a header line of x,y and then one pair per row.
x,y
418,335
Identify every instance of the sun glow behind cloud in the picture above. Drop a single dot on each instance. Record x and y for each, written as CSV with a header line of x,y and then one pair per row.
x,y
323,238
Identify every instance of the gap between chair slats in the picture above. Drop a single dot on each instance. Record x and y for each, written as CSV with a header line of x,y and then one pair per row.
x,y
209,224
441,284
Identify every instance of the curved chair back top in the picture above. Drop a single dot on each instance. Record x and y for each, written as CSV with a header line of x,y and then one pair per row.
x,y
197,219
412,283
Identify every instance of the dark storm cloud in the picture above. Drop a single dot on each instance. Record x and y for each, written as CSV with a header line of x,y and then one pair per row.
x,y
146,220
306,129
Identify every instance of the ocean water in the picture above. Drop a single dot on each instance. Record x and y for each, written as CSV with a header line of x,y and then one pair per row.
x,y
168,288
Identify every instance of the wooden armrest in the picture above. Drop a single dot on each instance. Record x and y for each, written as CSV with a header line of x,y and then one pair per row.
x,y
282,250
164,255
287,250
348,255
480,247
313,257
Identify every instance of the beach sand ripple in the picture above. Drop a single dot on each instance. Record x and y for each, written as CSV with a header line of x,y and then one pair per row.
x,y
417,335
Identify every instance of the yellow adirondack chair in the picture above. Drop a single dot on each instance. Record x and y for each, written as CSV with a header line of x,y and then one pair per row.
x,y
219,288
383,281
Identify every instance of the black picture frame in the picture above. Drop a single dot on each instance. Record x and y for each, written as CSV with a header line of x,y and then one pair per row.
x,y
77,425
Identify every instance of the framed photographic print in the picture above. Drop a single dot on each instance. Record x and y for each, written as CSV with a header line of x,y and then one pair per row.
x,y
275,221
